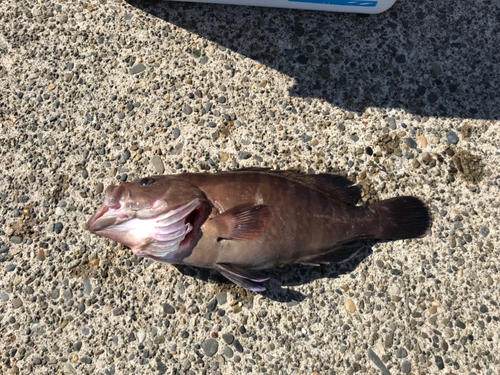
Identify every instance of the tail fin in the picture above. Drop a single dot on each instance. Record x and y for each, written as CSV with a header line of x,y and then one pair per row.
x,y
401,218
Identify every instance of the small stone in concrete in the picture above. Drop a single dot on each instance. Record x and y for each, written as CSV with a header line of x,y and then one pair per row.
x,y
158,164
55,293
11,267
212,305
68,369
99,187
176,133
210,347
118,311
168,309
4,297
228,352
221,298
401,353
237,345
87,286
377,362
452,137
410,142
58,227
484,231
406,367
16,239
243,155
391,122
228,338
350,306
17,303
137,69
400,59
439,362
74,263
141,336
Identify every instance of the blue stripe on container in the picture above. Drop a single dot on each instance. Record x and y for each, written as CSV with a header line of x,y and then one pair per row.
x,y
354,3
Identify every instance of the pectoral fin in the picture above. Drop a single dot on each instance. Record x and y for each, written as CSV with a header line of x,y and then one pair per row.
x,y
249,279
243,222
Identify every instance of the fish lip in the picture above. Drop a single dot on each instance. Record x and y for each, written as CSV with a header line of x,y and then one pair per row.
x,y
90,226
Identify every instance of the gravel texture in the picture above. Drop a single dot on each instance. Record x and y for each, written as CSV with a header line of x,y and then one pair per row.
x,y
405,102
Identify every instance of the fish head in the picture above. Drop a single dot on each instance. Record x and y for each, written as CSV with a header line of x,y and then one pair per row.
x,y
153,216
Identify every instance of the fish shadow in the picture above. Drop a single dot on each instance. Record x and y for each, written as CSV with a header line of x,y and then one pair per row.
x,y
287,276
425,57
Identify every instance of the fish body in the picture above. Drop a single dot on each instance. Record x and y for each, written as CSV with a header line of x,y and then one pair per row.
x,y
243,222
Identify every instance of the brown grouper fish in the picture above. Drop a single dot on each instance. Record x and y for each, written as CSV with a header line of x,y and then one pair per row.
x,y
242,222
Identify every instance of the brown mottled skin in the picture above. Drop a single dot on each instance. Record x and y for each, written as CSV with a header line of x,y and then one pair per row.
x,y
242,221
304,222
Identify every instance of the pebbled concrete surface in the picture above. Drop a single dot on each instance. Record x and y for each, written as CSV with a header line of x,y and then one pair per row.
x,y
405,102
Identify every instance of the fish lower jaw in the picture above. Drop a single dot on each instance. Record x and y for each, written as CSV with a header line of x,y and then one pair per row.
x,y
133,233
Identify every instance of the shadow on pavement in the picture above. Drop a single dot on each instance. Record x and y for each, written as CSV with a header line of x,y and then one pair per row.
x,y
281,278
434,58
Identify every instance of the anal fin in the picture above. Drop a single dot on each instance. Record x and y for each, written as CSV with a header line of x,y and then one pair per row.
x,y
253,275
336,255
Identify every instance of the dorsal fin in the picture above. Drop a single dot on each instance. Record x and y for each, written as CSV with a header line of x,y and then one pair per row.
x,y
334,187
250,169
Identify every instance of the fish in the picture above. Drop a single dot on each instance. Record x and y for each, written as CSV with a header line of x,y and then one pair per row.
x,y
245,221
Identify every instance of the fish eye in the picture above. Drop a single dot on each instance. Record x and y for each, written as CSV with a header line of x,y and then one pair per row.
x,y
147,181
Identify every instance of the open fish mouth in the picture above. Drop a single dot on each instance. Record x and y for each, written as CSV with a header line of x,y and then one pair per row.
x,y
155,231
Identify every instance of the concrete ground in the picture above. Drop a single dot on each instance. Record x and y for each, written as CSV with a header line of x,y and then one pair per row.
x,y
403,103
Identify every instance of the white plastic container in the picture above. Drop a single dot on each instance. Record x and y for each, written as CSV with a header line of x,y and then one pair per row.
x,y
348,6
